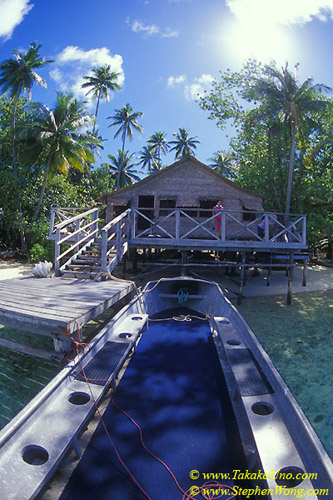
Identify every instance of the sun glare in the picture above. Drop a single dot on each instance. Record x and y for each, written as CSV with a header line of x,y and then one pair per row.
x,y
260,39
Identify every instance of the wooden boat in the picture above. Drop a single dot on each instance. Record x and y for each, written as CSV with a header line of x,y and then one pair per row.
x,y
181,398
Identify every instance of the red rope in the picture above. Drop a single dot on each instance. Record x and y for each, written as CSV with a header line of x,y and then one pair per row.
x,y
204,490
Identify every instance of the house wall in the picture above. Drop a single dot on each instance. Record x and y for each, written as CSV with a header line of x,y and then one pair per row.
x,y
187,183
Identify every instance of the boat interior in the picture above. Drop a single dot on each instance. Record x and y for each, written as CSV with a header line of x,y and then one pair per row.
x,y
205,395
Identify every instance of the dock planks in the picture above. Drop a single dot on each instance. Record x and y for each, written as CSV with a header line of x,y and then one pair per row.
x,y
50,306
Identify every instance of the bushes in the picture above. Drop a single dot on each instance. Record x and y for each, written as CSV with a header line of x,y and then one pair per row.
x,y
38,253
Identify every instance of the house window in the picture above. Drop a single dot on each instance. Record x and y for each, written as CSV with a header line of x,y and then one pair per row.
x,y
145,207
166,206
119,209
191,211
206,208
248,215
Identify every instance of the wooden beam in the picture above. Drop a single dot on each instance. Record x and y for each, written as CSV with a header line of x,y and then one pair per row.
x,y
27,349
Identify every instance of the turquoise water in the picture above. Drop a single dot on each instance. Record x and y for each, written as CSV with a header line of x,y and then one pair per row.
x,y
299,340
22,376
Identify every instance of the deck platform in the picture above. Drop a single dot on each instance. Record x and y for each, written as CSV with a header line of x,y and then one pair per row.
x,y
56,307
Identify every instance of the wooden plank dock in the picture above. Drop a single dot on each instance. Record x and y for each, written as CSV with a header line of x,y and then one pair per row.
x,y
56,307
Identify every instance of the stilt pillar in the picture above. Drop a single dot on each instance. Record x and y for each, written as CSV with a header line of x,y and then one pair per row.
x,y
290,277
242,281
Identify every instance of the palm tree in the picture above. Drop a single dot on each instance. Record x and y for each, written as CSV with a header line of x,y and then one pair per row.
x,y
100,83
58,141
148,159
159,144
128,120
121,168
293,103
18,75
184,145
223,163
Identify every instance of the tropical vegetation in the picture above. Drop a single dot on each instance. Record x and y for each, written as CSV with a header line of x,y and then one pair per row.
x,y
281,147
282,141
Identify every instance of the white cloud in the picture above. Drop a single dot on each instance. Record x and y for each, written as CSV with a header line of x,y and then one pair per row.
x,y
12,13
285,12
198,86
147,29
152,29
173,81
168,33
192,90
73,63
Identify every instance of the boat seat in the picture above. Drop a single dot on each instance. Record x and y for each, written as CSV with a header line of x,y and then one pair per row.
x,y
250,379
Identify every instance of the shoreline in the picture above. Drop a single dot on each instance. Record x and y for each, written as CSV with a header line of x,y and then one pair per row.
x,y
319,278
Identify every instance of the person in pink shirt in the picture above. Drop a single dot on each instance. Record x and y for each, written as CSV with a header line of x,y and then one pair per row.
x,y
217,210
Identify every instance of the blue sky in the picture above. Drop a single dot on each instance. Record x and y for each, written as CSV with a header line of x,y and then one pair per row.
x,y
166,52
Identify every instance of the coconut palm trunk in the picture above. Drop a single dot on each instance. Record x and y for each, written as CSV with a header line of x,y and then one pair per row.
x,y
41,194
19,198
291,171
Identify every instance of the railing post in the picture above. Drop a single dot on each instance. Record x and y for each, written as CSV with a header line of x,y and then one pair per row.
x,y
266,228
304,230
133,223
94,217
53,211
177,232
128,225
104,249
118,240
56,251
77,236
223,226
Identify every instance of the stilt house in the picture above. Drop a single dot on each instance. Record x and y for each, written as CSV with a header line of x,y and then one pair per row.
x,y
188,185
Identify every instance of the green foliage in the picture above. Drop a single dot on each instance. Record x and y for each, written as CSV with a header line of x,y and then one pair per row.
x,y
37,253
183,144
121,169
283,134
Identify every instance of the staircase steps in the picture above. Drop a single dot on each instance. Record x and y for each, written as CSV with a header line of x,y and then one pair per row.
x,y
87,265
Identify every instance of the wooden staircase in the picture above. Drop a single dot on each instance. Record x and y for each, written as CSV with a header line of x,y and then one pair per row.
x,y
93,252
86,265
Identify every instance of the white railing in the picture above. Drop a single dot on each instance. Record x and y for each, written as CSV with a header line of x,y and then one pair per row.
x,y
72,234
183,223
114,244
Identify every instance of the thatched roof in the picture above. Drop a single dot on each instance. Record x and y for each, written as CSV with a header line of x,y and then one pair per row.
x,y
121,196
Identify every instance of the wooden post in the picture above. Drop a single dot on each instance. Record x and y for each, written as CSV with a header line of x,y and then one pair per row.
x,y
135,259
305,267
177,232
57,252
133,223
118,242
290,277
53,211
128,226
104,249
266,228
223,226
239,300
304,230
124,263
77,236
94,217
269,272
62,343
183,261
